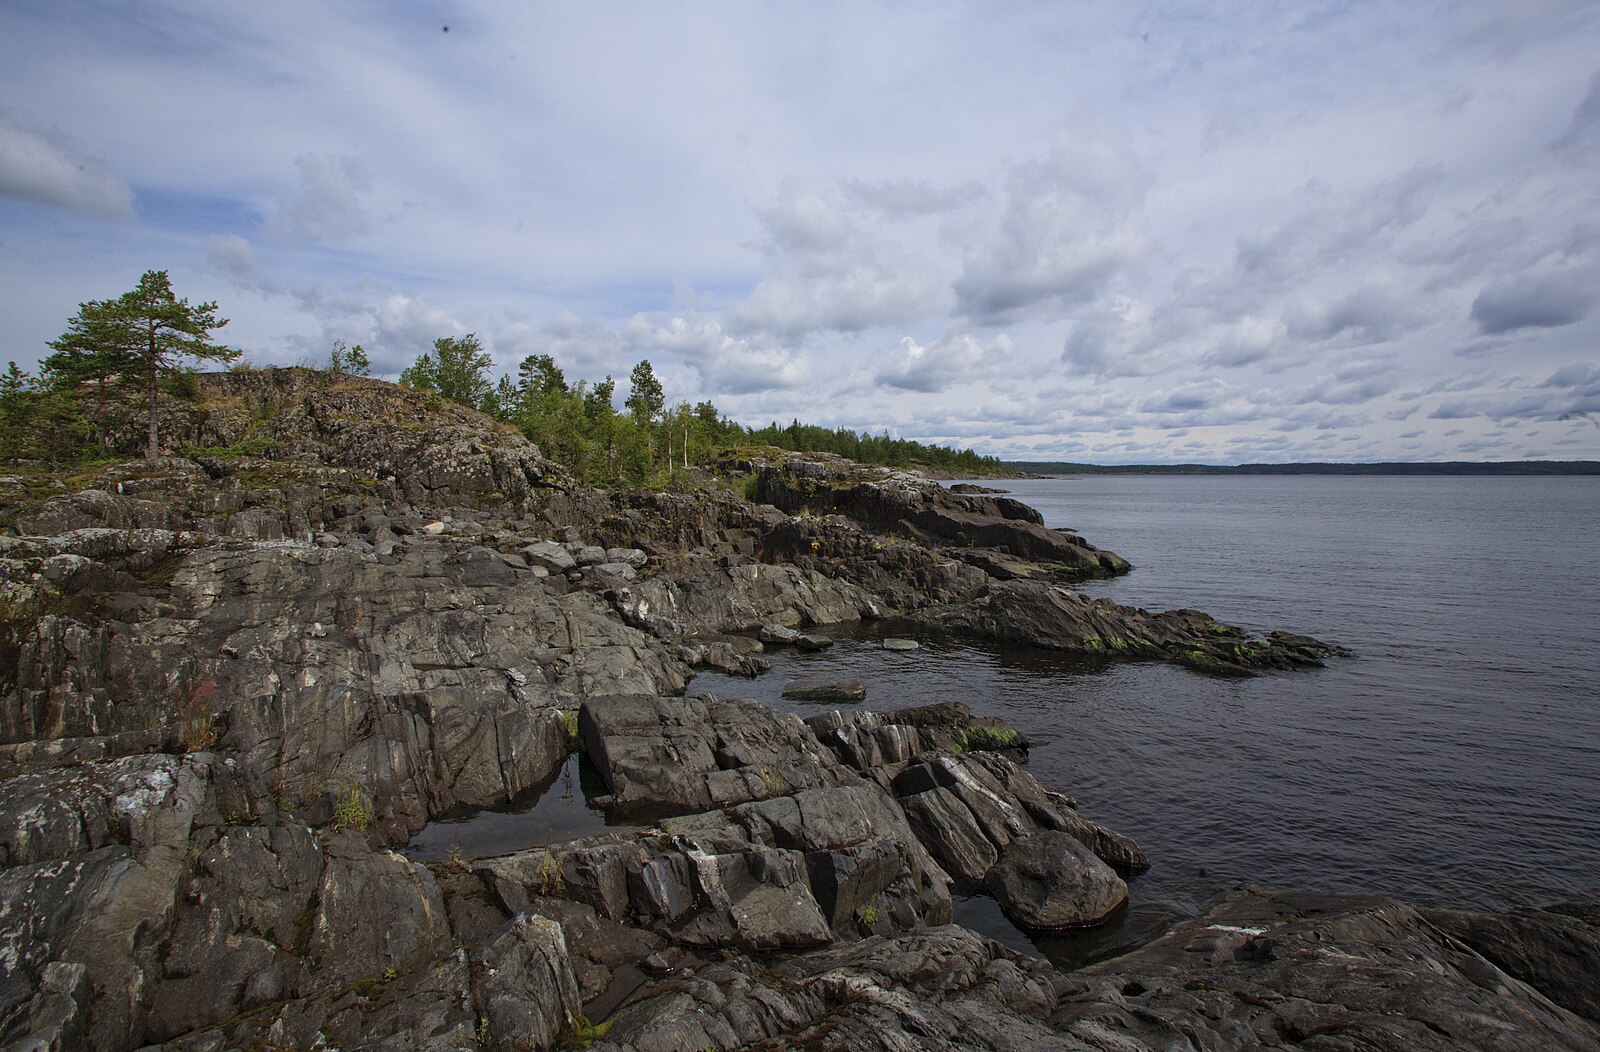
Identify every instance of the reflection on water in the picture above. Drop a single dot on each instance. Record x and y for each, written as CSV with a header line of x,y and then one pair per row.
x,y
556,810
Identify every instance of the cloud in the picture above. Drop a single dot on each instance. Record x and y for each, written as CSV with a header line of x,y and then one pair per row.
x,y
1582,137
45,167
906,199
329,205
1331,226
235,257
726,364
1370,314
1115,338
827,275
1533,301
860,298
1065,230
942,364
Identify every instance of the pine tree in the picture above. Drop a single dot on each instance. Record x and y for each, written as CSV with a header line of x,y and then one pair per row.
x,y
147,328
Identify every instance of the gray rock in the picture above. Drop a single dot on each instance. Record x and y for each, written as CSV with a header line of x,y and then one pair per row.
x,y
1271,968
742,599
527,989
823,690
1048,881
550,555
589,555
778,634
634,557
895,643
1555,953
376,912
682,755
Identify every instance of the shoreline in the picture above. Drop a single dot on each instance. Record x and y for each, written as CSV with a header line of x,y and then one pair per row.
x,y
233,685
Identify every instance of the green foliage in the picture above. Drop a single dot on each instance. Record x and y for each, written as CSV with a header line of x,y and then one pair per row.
x,y
352,361
39,422
146,332
992,739
584,1033
457,369
645,395
350,810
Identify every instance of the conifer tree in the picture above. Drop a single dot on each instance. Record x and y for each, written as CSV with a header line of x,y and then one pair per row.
x,y
148,329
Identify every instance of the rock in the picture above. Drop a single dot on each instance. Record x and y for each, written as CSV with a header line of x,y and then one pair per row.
x,y
1270,968
550,555
376,912
1040,614
741,599
433,529
1048,881
681,755
526,987
825,690
815,484
634,557
894,643
1553,952
778,634
621,571
968,808
588,554
934,988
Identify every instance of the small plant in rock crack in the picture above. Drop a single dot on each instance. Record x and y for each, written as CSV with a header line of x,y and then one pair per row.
x,y
350,811
193,701
548,878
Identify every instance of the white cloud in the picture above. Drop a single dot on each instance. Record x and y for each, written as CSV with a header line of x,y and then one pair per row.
x,y
329,205
46,167
942,364
1065,230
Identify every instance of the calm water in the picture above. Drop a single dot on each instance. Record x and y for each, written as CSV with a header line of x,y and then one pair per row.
x,y
1454,760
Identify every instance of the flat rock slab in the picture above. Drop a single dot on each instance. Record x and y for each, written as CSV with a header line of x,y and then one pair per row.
x,y
681,755
900,644
839,690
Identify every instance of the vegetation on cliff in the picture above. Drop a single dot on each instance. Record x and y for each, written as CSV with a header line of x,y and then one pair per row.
x,y
125,359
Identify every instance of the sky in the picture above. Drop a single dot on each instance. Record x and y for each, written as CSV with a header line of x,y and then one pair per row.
x,y
1108,232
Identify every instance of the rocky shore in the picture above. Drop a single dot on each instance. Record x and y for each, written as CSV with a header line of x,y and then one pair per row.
x,y
231,686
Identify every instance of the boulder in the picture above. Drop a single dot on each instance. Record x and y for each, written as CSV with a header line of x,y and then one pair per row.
x,y
1048,881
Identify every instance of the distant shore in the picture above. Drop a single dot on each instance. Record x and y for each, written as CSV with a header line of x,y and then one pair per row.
x,y
1453,467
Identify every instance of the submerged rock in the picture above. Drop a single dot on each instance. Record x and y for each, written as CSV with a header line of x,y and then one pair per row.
x,y
825,690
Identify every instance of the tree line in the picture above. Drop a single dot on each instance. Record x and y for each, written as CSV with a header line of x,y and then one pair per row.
x,y
577,425
118,355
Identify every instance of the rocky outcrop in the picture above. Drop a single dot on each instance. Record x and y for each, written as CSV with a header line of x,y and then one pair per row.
x,y
1555,950
1262,969
741,599
228,684
428,446
1267,968
1044,615
901,502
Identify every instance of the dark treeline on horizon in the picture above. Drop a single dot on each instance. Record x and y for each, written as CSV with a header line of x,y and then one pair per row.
x,y
1449,467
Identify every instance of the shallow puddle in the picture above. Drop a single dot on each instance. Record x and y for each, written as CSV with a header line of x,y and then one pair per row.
x,y
553,811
